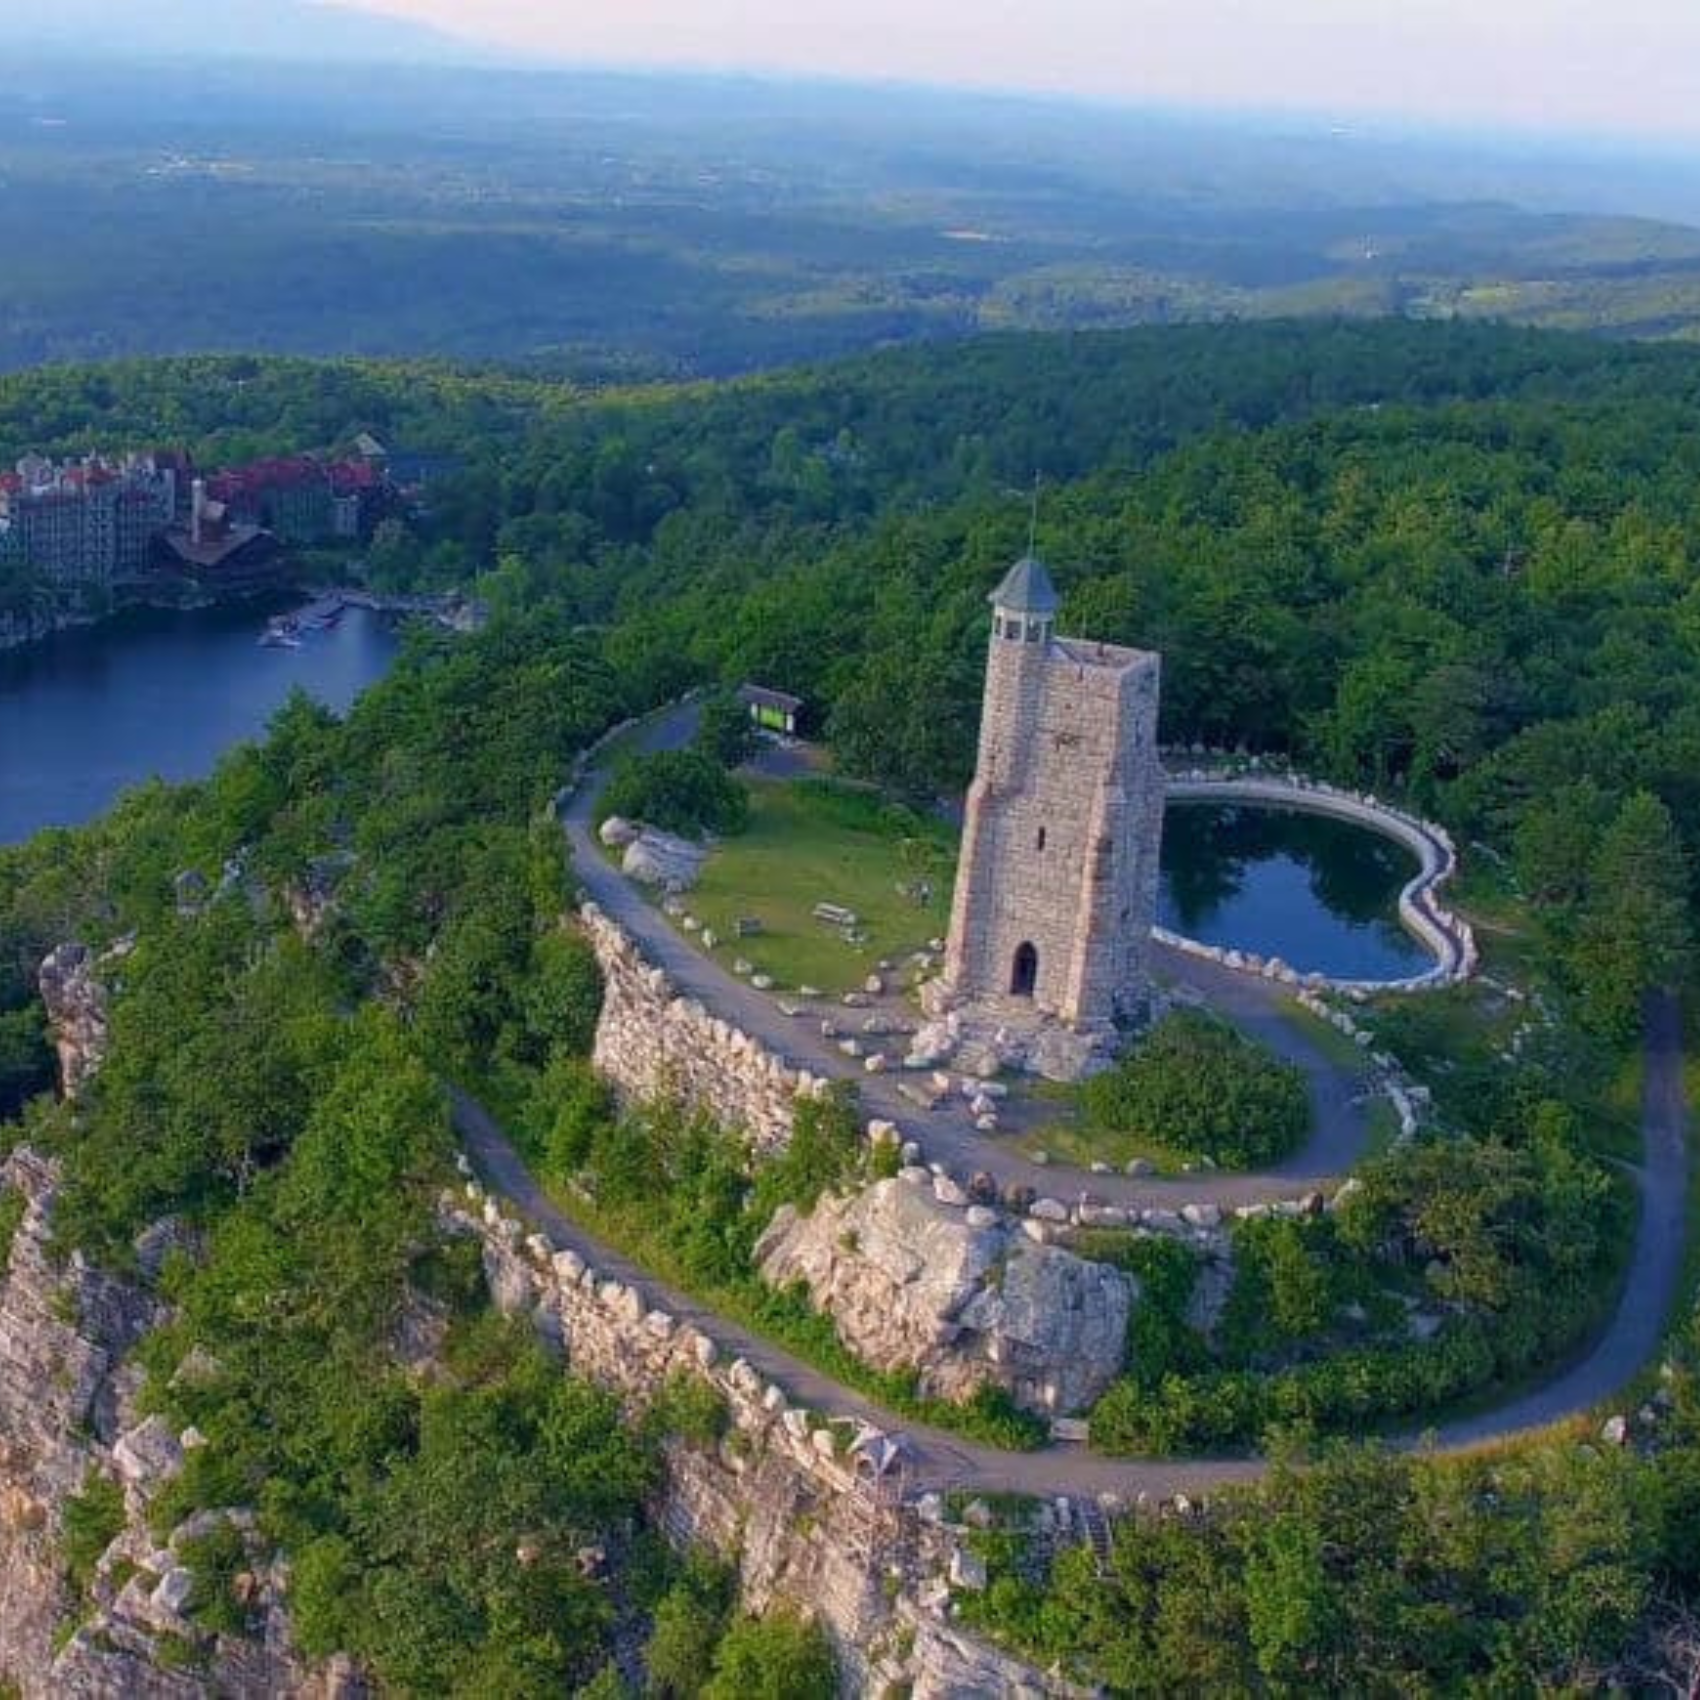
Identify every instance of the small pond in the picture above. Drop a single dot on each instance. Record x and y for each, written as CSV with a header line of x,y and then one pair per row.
x,y
1321,894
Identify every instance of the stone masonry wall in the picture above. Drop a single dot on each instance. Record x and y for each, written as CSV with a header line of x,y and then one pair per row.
x,y
1062,828
653,1043
788,1494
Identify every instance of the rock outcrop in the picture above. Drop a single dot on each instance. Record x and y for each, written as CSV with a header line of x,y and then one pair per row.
x,y
76,1014
660,859
312,900
68,1416
963,1296
811,1508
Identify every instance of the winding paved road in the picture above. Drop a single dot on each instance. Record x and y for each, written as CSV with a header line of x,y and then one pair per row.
x,y
938,1459
942,1460
1653,1283
947,1136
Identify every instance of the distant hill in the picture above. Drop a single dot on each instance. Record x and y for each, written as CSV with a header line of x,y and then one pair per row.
x,y
176,184
294,31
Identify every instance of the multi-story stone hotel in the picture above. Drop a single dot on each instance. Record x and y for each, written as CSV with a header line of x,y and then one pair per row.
x,y
86,525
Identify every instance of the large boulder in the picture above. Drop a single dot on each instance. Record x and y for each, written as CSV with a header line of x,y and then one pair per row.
x,y
660,859
915,1283
617,832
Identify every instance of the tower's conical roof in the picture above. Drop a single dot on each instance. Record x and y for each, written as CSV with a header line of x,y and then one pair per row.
x,y
1027,589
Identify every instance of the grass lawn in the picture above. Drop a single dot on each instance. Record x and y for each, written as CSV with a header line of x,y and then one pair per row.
x,y
814,841
1484,895
1462,1031
1068,1140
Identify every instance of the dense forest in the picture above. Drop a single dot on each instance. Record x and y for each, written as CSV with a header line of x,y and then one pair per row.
x,y
278,1084
1457,564
1454,562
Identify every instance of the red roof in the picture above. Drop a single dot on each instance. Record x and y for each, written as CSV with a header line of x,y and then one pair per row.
x,y
293,472
349,476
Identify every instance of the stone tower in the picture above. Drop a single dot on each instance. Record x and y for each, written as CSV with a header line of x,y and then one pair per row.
x,y
1056,890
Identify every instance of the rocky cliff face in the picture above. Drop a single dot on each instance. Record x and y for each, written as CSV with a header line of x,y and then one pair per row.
x,y
76,1013
63,1334
915,1278
68,1417
807,1505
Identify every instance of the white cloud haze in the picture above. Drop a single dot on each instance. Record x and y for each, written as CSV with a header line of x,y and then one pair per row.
x,y
1632,66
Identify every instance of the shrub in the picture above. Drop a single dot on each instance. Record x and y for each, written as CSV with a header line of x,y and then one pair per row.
x,y
690,1620
217,1560
1196,1087
690,1409
570,1105
826,1149
777,1657
1159,1338
564,998
94,1519
682,791
26,1060
996,1420
13,1204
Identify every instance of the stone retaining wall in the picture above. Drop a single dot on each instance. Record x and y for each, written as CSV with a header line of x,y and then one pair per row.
x,y
1448,937
652,1043
812,1509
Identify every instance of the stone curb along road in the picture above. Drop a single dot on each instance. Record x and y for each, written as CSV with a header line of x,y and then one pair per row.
x,y
1629,1342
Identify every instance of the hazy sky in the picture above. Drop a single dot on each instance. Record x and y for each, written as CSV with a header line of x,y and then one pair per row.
x,y
1623,65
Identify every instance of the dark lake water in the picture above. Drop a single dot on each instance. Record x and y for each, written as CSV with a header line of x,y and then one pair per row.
x,y
1321,894
92,711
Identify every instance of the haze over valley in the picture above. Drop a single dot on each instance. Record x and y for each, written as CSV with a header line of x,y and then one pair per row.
x,y
187,180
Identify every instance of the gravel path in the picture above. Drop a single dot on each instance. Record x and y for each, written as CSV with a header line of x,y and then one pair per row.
x,y
942,1460
947,1136
1653,1284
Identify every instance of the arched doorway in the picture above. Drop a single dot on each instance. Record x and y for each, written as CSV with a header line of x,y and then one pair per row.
x,y
1025,974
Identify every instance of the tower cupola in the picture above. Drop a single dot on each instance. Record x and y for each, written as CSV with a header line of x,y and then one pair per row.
x,y
1024,606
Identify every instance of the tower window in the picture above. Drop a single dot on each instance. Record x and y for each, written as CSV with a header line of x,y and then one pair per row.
x,y
1041,844
1033,631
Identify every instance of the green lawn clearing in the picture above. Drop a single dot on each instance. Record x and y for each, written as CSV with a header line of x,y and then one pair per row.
x,y
819,841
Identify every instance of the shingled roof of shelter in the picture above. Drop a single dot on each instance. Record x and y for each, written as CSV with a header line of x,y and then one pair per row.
x,y
1027,589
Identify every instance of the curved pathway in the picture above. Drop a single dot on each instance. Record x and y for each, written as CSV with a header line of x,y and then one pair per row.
x,y
947,1135
938,1458
942,1460
1652,1286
